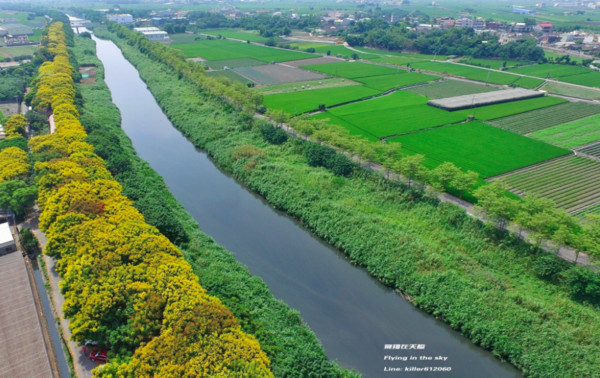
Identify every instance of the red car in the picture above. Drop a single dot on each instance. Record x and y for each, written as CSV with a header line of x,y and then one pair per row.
x,y
99,356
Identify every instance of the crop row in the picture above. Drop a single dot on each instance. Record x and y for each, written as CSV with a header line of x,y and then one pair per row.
x,y
570,182
593,150
571,134
450,88
535,120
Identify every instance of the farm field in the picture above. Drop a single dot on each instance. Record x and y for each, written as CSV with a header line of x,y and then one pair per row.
x,y
308,85
574,58
492,63
352,70
222,49
528,82
469,72
241,34
397,113
310,61
554,71
450,88
593,150
590,79
334,50
569,90
571,182
345,124
490,112
13,51
233,63
479,147
571,134
397,80
536,120
276,73
230,75
301,102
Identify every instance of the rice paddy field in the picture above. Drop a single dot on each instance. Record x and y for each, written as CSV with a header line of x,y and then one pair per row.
x,y
528,82
573,91
571,134
536,120
592,150
490,112
398,113
570,74
222,49
241,34
479,147
229,74
304,86
397,80
277,73
469,72
450,88
334,50
353,70
304,101
492,63
233,63
571,182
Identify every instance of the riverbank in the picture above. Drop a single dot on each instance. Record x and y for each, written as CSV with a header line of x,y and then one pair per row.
x,y
481,282
292,348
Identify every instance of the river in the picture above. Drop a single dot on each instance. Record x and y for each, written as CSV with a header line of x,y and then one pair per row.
x,y
353,315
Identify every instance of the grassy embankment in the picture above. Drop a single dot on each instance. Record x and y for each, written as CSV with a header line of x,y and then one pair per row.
x,y
484,283
291,346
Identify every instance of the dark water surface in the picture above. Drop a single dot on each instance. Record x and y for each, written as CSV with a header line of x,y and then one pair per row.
x,y
350,312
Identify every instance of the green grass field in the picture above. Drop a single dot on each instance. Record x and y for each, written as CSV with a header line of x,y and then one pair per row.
x,y
528,82
469,72
479,147
553,71
304,101
540,119
334,50
11,52
221,49
397,80
571,182
450,88
397,113
308,85
571,134
569,90
352,70
492,63
230,75
233,63
589,79
241,34
487,113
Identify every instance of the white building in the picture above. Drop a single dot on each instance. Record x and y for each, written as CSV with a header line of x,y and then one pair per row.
x,y
7,243
122,18
160,36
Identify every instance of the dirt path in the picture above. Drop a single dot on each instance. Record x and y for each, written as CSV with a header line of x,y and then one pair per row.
x,y
83,365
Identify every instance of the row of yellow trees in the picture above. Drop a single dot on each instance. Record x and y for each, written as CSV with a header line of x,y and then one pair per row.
x,y
125,285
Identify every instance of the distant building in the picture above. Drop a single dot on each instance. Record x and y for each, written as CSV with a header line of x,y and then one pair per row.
x,y
464,22
16,40
544,27
7,243
158,36
522,10
121,18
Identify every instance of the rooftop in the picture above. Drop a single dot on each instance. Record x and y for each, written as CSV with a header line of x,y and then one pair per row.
x,y
22,350
480,99
6,237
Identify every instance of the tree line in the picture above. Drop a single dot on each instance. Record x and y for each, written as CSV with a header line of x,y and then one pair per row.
x,y
125,285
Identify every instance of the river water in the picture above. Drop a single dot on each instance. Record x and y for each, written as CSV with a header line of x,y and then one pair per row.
x,y
353,315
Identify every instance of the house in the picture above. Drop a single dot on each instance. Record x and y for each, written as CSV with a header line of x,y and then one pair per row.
x,y
7,243
120,18
544,27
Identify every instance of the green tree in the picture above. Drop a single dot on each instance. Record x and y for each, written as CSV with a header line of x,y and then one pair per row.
x,y
444,174
412,168
464,182
17,196
492,200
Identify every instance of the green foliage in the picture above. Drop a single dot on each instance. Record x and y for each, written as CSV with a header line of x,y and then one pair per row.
x,y
583,284
18,142
273,135
29,241
550,267
480,281
17,196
